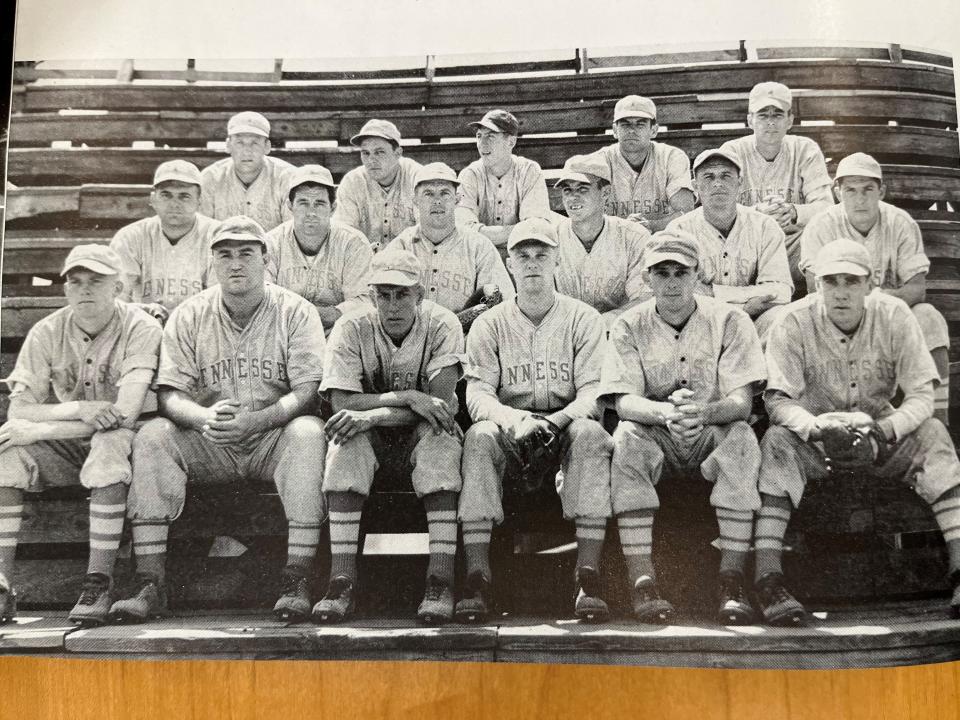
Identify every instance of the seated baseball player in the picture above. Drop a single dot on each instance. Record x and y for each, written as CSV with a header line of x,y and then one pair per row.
x,y
377,197
895,244
599,255
320,259
650,181
533,370
743,259
166,258
240,365
249,182
462,270
78,387
500,189
390,372
682,370
783,176
835,361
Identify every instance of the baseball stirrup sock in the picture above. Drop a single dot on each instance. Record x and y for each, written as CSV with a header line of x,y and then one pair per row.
x,y
106,526
11,517
344,539
636,539
442,527
590,535
150,547
476,544
302,542
771,526
947,512
736,530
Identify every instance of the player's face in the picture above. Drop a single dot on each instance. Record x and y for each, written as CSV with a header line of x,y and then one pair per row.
x,y
634,134
861,198
770,124
239,266
494,147
91,294
843,297
248,151
718,184
583,200
532,265
435,203
311,207
380,158
673,285
176,203
397,306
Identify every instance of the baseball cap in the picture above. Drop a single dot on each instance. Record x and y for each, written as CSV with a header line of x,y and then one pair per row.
x,y
499,121
859,164
435,171
843,257
238,227
394,266
249,122
532,229
99,258
179,170
634,106
770,93
674,246
310,173
377,128
584,168
717,152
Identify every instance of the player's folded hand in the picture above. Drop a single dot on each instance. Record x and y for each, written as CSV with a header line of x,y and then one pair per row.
x,y
19,432
100,414
158,311
434,410
757,305
344,424
639,218
233,430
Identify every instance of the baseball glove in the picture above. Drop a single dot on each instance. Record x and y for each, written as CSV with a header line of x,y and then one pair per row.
x,y
537,457
478,303
846,449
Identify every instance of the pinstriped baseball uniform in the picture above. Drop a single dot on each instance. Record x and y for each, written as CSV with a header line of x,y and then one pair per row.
x,y
484,199
158,271
265,200
455,268
379,213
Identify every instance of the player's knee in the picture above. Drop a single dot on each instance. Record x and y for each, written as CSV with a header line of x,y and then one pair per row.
x,y
305,429
589,434
483,437
933,432
159,435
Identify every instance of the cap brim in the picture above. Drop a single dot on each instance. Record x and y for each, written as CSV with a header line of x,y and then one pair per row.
x,y
97,267
859,172
488,125
318,181
576,177
841,267
176,178
248,130
711,156
393,277
358,138
634,114
758,105
656,258
239,237
550,242
452,181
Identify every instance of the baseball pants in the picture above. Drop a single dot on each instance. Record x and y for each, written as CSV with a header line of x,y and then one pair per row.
x,y
100,461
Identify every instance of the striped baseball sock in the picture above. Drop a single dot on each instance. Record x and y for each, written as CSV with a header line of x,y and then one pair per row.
x,y
636,539
476,545
946,509
736,530
150,547
441,510
590,535
108,506
11,517
345,509
302,542
771,526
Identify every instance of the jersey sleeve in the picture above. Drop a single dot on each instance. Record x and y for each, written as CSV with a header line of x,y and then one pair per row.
x,y
622,372
306,345
208,184
678,173
773,268
741,358
911,258
123,243
30,378
817,194
468,199
784,358
142,352
636,288
588,351
356,270
178,351
814,237
350,197
534,198
916,372
483,377
272,270
342,364
446,346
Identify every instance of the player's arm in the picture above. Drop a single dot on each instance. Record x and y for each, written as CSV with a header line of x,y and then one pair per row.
x,y
589,347
483,378
681,202
913,291
349,200
645,411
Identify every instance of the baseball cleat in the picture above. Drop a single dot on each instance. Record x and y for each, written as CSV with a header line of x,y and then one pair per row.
x,y
436,607
474,606
735,609
294,603
779,607
8,601
150,603
648,606
337,604
589,607
95,601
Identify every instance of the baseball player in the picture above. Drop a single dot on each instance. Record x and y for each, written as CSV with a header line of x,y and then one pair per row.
x,y
835,360
249,182
78,387
682,371
784,176
457,263
600,256
240,365
391,371
500,189
743,259
320,259
377,197
533,370
650,181
166,258
895,244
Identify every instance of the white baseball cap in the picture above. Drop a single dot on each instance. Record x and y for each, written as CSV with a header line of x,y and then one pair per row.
x,y
249,122
673,246
435,171
859,164
843,257
536,229
99,258
706,155
377,128
310,173
179,170
585,169
394,266
239,227
634,106
770,93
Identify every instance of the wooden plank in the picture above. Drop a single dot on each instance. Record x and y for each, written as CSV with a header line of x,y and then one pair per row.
x,y
21,314
855,105
596,62
39,201
126,202
42,255
807,52
927,57
35,632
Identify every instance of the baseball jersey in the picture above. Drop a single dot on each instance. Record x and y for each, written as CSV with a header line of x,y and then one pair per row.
x,y
609,276
265,200
484,199
716,352
798,174
379,213
362,358
207,356
894,242
452,270
823,369
60,362
515,367
752,255
336,275
158,271
665,172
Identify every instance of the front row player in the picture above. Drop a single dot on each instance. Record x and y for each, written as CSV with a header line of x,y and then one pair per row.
x,y
835,360
98,356
682,370
391,371
239,372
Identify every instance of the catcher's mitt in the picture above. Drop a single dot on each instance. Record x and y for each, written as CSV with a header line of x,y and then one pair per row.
x,y
537,457
846,449
478,303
